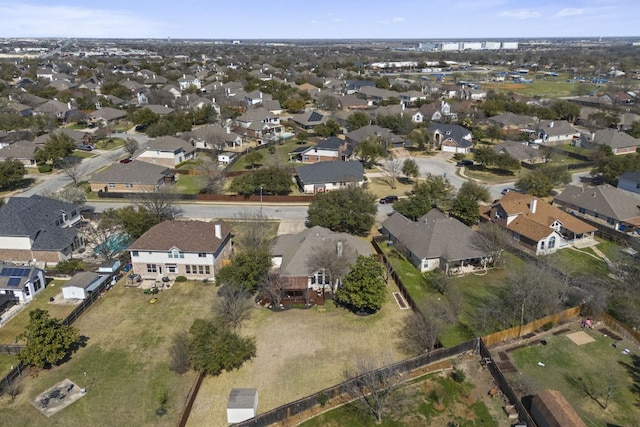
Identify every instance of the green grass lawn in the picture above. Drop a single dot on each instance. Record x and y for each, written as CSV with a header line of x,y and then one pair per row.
x,y
571,369
124,365
579,263
16,324
6,362
112,144
189,184
83,154
281,152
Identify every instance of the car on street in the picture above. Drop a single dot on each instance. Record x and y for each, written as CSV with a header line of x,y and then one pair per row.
x,y
127,160
388,199
464,163
508,189
84,147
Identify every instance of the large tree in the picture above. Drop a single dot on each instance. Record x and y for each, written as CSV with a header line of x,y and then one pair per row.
x,y
48,341
333,259
364,287
434,191
248,266
233,306
11,173
357,120
215,348
327,129
611,167
542,180
271,180
59,146
160,203
370,150
410,169
351,210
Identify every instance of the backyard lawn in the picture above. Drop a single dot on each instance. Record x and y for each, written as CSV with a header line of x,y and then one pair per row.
x,y
124,363
15,326
189,184
281,154
300,352
576,370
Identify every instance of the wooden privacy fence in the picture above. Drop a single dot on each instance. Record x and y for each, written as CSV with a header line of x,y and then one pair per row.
x,y
10,348
619,327
518,331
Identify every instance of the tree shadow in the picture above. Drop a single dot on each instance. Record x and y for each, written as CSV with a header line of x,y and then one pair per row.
x,y
633,370
81,343
23,184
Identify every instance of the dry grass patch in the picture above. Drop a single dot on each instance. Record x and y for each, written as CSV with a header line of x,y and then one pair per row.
x,y
300,352
380,188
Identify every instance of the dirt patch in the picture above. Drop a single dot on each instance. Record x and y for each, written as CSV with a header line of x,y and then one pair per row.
x,y
580,338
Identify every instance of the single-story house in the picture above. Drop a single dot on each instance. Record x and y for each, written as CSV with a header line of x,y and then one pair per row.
x,y
604,204
20,283
290,254
82,284
21,150
309,119
428,244
131,177
555,132
215,137
630,181
521,151
194,249
451,138
388,138
513,123
618,141
327,176
327,150
535,224
167,151
107,115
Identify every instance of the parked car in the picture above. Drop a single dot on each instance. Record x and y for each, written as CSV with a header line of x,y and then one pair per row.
x,y
464,163
85,147
127,160
508,189
388,199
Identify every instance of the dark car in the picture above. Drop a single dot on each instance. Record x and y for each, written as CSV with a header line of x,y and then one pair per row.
x,y
388,199
127,160
85,147
464,163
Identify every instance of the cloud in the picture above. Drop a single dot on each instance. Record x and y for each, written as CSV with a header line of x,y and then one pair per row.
x,y
397,20
67,21
521,14
569,11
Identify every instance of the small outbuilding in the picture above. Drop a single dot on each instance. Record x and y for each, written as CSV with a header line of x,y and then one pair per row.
x,y
549,408
242,404
82,284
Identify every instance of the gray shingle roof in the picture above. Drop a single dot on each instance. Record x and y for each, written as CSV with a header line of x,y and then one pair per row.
x,y
36,217
295,249
18,150
456,133
603,199
135,172
323,172
435,235
615,139
170,143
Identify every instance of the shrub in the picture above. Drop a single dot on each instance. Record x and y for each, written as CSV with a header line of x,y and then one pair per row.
x,y
458,375
45,168
181,279
323,399
547,326
70,266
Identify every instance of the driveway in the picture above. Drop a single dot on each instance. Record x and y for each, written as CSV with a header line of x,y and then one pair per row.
x,y
438,164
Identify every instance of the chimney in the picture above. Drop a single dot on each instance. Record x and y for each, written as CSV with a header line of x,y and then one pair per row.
x,y
339,247
218,231
184,76
69,105
533,205
551,124
592,136
228,130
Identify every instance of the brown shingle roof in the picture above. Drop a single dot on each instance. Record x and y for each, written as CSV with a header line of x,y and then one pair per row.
x,y
556,411
187,236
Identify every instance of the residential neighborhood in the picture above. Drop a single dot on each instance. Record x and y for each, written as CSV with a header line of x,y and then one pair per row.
x,y
221,232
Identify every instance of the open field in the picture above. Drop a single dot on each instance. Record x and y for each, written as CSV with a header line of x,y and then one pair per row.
x,y
124,363
281,154
575,370
300,352
17,323
547,88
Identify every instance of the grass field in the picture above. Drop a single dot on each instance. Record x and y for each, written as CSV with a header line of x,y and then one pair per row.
x,y
573,369
6,362
300,352
547,88
377,186
15,326
281,154
125,361
189,184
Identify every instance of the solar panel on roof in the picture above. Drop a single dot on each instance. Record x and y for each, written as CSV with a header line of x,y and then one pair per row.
x,y
3,272
14,281
25,272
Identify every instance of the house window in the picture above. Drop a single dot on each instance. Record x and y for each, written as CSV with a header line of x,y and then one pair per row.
x,y
611,221
207,269
128,185
552,242
582,210
171,269
542,245
175,253
200,269
112,185
151,268
202,255
134,253
36,284
306,158
187,269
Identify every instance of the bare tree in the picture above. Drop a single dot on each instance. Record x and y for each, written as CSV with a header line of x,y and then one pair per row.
x,y
421,331
455,298
104,237
371,381
71,169
14,390
234,305
213,176
439,280
179,360
272,288
161,203
251,229
492,238
131,146
334,258
393,169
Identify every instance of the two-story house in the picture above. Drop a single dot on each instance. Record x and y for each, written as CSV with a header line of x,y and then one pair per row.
x,y
39,228
187,81
327,150
194,249
258,123
451,138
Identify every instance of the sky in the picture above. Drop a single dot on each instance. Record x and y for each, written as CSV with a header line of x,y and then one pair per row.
x,y
324,19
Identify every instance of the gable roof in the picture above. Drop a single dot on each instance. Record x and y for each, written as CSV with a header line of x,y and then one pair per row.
x,y
18,150
603,199
310,118
295,249
169,143
108,113
135,172
323,172
557,128
518,150
364,132
512,119
537,225
36,217
456,133
615,139
434,235
187,236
